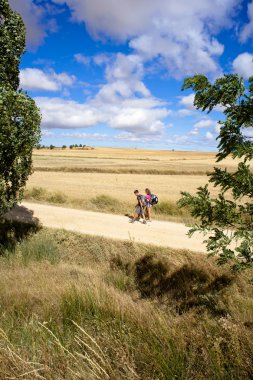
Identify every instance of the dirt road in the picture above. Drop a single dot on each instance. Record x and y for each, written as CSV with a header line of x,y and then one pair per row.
x,y
166,234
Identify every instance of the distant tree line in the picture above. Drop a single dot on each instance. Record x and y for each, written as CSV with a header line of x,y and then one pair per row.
x,y
72,146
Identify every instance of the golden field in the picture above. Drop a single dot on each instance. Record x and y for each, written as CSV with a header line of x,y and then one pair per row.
x,y
103,179
115,159
121,186
64,170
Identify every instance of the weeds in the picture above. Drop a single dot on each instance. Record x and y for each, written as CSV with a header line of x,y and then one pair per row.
x,y
40,248
106,203
165,210
41,194
110,310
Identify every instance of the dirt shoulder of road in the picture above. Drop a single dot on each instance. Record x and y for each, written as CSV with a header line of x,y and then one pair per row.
x,y
165,234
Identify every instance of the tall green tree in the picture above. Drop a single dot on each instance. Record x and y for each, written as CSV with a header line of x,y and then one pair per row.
x,y
19,116
227,220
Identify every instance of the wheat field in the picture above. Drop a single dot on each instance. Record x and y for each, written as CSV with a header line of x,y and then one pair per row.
x,y
121,186
64,170
119,160
104,179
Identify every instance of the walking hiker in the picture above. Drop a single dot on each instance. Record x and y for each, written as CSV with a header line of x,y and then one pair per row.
x,y
139,208
148,206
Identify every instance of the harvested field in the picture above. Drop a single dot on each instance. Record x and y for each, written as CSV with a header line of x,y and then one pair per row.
x,y
127,161
120,186
103,179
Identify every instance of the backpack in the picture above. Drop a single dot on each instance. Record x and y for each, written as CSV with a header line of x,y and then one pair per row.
x,y
154,199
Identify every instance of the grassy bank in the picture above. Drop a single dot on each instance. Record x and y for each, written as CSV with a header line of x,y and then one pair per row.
x,y
80,307
164,210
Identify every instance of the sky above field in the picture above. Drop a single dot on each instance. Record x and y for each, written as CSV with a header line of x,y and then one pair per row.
x,y
110,72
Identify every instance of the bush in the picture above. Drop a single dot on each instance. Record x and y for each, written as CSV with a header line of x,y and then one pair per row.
x,y
40,248
105,202
170,208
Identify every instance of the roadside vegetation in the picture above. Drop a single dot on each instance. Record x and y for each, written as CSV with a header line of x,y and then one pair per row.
x,y
91,308
164,210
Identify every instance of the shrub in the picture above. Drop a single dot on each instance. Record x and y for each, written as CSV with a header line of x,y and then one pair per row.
x,y
105,202
40,248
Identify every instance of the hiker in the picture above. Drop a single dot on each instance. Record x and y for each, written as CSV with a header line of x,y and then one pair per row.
x,y
148,204
139,208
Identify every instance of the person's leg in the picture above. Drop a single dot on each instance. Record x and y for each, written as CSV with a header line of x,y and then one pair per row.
x,y
149,213
143,216
136,215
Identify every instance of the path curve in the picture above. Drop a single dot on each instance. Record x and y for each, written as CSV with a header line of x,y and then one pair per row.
x,y
166,234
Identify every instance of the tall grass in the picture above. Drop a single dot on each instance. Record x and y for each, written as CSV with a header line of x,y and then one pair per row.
x,y
118,310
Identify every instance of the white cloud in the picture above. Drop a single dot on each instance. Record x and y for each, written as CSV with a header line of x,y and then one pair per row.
x,y
101,59
80,58
64,78
60,113
123,103
36,79
187,101
181,34
34,18
248,132
243,65
132,116
247,30
124,79
206,123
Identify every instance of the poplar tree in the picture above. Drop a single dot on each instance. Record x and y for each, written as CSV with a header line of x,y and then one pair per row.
x,y
19,116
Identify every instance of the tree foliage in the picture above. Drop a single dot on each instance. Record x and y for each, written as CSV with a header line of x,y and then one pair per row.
x,y
19,115
228,219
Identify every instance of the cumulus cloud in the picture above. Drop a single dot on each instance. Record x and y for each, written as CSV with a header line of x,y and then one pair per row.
x,y
81,58
36,79
182,34
124,79
33,15
123,103
60,113
187,101
206,123
243,65
247,30
132,116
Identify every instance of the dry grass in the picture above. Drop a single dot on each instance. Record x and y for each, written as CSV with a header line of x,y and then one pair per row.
x,y
92,308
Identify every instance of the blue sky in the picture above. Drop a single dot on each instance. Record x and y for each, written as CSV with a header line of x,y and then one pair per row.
x,y
109,72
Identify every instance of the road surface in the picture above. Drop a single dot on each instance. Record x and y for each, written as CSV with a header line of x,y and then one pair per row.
x,y
161,233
